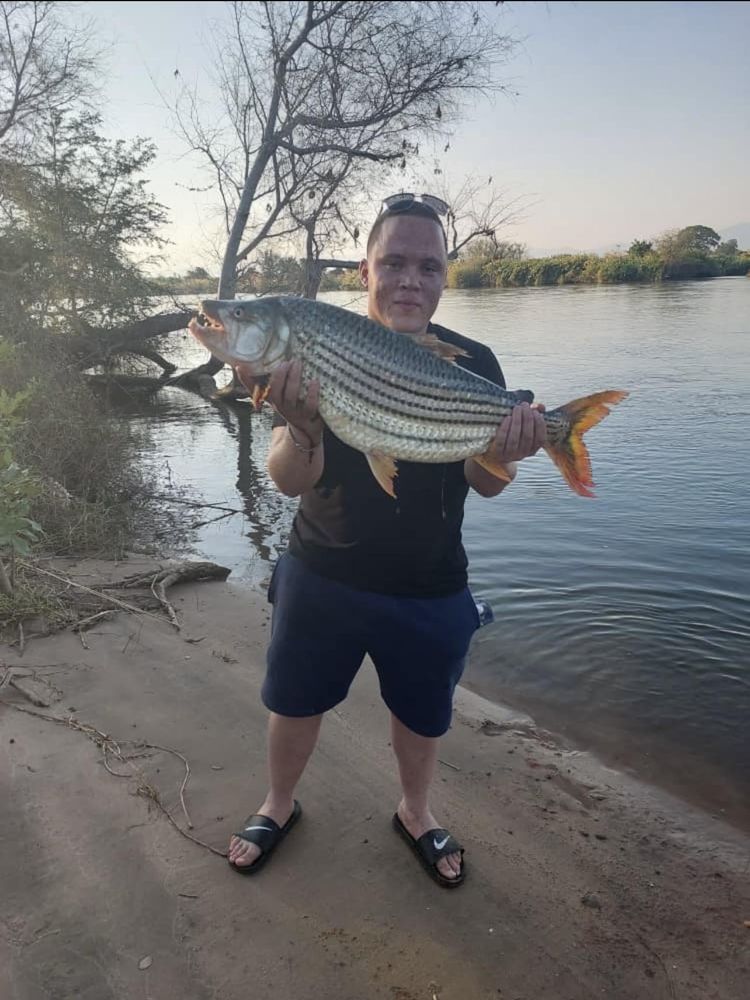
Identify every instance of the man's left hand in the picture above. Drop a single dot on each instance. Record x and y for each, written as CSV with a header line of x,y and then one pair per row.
x,y
521,434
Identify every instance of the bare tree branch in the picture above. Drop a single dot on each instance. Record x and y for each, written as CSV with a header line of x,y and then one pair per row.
x,y
44,67
377,70
477,210
318,95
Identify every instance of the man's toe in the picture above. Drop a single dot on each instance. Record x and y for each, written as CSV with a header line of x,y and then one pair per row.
x,y
247,855
446,867
241,852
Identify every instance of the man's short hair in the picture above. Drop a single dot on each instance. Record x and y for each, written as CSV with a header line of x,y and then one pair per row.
x,y
417,208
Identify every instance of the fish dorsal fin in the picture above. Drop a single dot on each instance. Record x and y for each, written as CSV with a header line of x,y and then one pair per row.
x,y
383,467
431,342
495,468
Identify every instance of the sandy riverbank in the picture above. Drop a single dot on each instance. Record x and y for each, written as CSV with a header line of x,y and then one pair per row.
x,y
583,882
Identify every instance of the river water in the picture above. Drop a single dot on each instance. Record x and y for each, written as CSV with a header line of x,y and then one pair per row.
x,y
621,623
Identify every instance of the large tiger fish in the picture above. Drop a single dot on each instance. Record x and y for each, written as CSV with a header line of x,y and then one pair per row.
x,y
390,395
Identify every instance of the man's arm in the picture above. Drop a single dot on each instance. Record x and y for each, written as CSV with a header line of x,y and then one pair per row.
x,y
520,435
483,482
295,459
293,470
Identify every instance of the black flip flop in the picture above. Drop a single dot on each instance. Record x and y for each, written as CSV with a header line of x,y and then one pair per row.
x,y
266,834
430,848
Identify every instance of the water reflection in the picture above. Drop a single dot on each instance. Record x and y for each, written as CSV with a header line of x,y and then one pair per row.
x,y
195,448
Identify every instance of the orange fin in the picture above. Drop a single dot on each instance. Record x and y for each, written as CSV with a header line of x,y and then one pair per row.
x,y
571,455
259,394
383,467
256,385
495,468
443,350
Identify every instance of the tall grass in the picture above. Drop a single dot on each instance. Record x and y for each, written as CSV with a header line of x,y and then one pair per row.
x,y
575,269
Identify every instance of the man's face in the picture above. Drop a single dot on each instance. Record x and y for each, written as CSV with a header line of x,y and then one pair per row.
x,y
405,273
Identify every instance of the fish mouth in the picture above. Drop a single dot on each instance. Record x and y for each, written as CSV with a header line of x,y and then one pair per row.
x,y
207,322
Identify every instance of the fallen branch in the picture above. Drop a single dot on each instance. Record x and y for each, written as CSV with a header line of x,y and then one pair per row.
x,y
155,746
194,503
448,764
158,589
84,624
73,609
187,572
213,520
96,593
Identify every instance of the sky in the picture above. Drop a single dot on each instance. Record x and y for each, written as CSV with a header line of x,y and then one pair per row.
x,y
626,119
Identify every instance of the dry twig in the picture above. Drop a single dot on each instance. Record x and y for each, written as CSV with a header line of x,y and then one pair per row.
x,y
108,745
158,589
84,624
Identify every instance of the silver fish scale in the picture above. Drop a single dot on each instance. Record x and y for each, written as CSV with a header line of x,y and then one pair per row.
x,y
381,392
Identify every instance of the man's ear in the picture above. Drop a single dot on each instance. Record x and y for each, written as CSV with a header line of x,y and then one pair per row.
x,y
363,272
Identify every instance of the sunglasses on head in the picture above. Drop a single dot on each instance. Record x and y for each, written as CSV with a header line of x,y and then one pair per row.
x,y
405,199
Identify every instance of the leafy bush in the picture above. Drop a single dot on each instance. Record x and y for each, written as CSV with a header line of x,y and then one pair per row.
x,y
466,273
629,267
80,459
564,269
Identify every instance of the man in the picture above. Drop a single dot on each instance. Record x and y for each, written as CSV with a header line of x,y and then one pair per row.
x,y
367,574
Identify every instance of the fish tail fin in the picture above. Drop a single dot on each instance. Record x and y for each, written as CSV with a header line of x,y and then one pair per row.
x,y
571,455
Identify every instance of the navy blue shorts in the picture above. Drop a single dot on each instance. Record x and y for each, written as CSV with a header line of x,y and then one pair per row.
x,y
322,629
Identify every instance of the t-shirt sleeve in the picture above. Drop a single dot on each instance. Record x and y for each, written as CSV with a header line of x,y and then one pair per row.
x,y
278,420
490,367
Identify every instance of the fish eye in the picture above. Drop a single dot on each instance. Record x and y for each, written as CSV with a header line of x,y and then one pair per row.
x,y
238,312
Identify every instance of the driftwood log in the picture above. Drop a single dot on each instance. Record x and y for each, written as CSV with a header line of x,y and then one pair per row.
x,y
80,606
97,345
186,572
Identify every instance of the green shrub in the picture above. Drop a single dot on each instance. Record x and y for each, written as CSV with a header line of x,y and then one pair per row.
x,y
734,264
466,273
630,267
691,266
80,456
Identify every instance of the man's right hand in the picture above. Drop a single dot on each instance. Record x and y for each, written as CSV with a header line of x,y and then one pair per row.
x,y
299,409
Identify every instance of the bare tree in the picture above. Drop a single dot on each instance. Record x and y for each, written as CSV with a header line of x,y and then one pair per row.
x,y
478,210
317,92
44,66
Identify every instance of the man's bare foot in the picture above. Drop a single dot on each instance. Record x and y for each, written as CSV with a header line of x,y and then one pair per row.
x,y
449,866
241,852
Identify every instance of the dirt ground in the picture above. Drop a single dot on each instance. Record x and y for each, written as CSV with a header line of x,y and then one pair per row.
x,y
582,882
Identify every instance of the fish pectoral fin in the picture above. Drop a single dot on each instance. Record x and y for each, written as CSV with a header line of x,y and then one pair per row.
x,y
256,385
449,352
383,467
495,468
259,395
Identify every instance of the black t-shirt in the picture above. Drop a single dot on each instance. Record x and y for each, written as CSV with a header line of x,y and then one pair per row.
x,y
348,529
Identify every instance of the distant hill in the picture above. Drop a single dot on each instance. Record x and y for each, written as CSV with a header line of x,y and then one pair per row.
x,y
739,232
